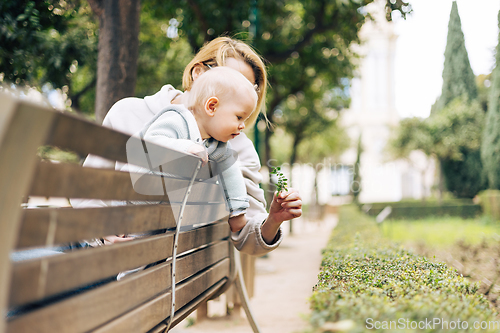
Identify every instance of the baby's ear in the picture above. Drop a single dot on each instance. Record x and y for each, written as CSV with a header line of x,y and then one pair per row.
x,y
211,105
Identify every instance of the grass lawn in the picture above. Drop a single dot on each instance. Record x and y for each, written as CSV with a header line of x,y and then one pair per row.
x,y
442,232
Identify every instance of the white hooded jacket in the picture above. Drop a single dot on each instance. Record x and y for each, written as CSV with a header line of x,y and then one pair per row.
x,y
129,116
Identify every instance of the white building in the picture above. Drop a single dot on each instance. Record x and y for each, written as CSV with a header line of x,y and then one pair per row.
x,y
373,115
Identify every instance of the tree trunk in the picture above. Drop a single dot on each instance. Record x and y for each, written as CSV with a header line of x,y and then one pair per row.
x,y
293,158
267,156
118,51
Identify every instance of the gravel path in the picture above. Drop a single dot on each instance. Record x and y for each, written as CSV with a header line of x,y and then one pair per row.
x,y
283,284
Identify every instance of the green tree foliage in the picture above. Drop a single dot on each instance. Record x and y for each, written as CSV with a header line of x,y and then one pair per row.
x,y
48,42
56,42
161,59
308,44
483,82
490,149
457,129
323,145
306,115
454,137
412,134
305,42
463,177
458,78
319,146
460,127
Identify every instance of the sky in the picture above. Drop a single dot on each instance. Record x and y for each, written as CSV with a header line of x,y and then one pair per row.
x,y
421,44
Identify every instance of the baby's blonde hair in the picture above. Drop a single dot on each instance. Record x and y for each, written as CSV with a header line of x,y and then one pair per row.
x,y
221,82
215,53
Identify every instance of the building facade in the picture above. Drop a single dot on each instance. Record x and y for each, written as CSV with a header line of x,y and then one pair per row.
x,y
373,116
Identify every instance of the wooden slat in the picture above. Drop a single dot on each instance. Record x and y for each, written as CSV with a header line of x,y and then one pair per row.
x,y
190,307
73,181
202,191
72,132
49,226
91,309
160,328
152,313
69,130
20,135
200,213
195,238
88,310
197,261
36,279
39,278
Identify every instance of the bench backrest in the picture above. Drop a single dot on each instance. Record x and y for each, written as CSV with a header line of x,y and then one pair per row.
x,y
76,291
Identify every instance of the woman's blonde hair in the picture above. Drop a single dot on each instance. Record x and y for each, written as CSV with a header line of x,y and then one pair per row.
x,y
215,53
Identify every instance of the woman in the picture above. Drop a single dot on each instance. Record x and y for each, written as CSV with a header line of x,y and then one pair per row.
x,y
262,232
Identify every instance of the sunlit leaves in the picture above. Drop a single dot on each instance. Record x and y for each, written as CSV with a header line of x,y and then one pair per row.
x,y
41,40
446,135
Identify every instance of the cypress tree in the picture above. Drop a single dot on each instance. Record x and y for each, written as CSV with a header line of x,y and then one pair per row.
x,y
458,77
464,178
490,148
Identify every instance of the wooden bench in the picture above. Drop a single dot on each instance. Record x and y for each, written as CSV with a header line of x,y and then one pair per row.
x,y
77,291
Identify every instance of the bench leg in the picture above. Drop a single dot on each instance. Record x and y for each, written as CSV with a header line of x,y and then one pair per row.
x,y
242,292
202,311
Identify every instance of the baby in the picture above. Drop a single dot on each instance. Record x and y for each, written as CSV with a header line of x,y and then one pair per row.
x,y
215,111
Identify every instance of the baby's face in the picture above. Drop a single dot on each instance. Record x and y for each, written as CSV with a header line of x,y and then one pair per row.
x,y
230,115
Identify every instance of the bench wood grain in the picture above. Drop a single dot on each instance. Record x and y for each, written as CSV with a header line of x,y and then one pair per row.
x,y
76,290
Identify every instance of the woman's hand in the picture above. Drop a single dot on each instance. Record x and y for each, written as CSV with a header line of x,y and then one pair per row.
x,y
286,205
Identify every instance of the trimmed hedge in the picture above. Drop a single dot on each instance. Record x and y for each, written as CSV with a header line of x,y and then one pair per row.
x,y
376,284
418,210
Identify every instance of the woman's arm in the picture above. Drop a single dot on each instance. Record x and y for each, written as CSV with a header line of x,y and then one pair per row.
x,y
262,233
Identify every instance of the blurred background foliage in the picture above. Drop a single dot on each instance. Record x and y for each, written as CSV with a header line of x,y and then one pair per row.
x,y
462,132
50,43
53,44
490,148
306,44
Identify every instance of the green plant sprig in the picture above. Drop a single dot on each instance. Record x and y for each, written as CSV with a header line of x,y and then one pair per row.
x,y
282,181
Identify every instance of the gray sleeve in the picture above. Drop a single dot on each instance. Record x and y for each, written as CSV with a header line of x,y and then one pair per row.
x,y
167,131
234,186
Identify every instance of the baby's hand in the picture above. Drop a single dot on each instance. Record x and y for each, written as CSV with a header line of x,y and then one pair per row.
x,y
237,223
116,239
199,151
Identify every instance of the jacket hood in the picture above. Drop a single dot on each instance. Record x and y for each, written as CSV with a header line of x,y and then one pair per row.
x,y
162,98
